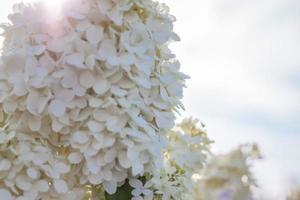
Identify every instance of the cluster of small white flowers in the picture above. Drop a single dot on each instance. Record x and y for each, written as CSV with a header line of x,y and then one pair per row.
x,y
141,191
228,176
97,82
186,154
294,194
188,145
31,170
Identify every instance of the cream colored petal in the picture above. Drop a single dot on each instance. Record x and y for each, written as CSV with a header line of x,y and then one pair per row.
x,y
34,123
95,126
76,60
75,158
57,108
69,79
80,137
101,115
5,194
101,86
36,50
23,183
61,167
95,102
60,186
94,34
56,45
65,95
87,79
33,173
117,91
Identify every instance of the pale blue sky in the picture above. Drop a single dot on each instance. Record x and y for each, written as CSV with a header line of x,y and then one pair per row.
x,y
243,57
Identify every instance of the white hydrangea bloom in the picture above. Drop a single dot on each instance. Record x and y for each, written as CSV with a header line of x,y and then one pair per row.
x,y
141,191
31,170
294,194
188,145
187,151
99,81
228,176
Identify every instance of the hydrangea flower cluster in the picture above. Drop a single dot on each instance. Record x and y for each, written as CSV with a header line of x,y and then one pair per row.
x,y
86,97
294,194
185,156
228,176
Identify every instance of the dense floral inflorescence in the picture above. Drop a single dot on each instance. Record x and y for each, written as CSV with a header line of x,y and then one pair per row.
x,y
185,156
87,96
294,194
228,176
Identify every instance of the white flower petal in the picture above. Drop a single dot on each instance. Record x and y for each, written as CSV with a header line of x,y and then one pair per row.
x,y
65,95
42,186
57,108
101,115
95,179
116,16
95,126
5,164
32,102
164,120
34,123
61,168
75,158
94,34
23,183
108,140
76,60
79,90
107,174
87,79
95,102
20,88
101,86
5,194
69,79
133,153
56,45
117,91
110,187
90,61
135,183
60,186
110,155
83,25
36,50
137,168
80,137
163,93
127,59
123,160
41,71
33,173
107,52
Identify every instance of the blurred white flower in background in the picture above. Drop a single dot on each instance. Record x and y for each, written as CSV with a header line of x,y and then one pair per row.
x,y
244,65
186,155
228,176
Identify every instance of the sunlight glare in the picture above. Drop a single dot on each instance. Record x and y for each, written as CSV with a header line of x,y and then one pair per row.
x,y
53,7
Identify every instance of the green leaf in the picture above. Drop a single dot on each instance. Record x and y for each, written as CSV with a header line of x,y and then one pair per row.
x,y
123,193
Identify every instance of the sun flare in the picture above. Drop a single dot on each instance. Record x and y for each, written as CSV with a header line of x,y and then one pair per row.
x,y
53,5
